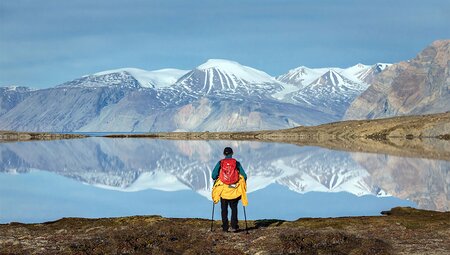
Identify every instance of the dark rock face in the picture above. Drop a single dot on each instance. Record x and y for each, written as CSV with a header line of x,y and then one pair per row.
x,y
417,86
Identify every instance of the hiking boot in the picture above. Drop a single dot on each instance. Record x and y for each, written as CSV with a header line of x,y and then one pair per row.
x,y
234,230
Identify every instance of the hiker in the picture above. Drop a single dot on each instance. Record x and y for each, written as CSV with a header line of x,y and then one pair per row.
x,y
229,187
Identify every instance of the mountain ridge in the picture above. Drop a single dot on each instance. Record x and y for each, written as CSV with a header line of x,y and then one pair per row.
x,y
224,95
417,86
218,95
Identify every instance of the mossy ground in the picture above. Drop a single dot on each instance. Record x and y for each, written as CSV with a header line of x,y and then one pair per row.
x,y
402,231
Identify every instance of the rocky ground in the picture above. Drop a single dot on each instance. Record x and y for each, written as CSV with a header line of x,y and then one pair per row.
x,y
13,136
414,136
401,231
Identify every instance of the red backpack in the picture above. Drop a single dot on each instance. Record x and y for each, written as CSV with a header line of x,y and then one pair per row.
x,y
229,173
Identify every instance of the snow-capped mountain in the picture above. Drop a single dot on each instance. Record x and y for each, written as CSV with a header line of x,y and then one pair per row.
x,y
121,79
149,79
329,90
331,93
128,78
302,76
364,73
219,76
218,95
357,72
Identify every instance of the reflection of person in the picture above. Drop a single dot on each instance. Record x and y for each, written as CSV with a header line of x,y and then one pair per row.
x,y
229,186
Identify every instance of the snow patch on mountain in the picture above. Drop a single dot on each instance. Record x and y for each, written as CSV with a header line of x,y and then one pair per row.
x,y
15,88
302,76
244,73
120,79
150,79
364,73
357,73
382,66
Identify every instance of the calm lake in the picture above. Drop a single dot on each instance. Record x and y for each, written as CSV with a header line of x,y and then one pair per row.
x,y
100,177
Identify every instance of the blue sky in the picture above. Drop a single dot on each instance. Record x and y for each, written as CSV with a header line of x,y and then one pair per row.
x,y
44,43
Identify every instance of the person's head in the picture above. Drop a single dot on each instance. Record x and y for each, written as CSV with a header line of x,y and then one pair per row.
x,y
227,151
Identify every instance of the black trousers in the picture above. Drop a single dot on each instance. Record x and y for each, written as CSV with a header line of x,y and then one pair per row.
x,y
233,203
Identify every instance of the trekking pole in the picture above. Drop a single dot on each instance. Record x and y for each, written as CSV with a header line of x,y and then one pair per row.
x,y
245,217
212,218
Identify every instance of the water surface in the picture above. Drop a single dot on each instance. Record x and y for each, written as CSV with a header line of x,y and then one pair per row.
x,y
100,177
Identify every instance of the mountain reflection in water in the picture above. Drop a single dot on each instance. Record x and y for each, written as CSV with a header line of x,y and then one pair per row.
x,y
319,182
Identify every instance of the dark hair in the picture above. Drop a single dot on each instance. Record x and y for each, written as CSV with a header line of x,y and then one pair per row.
x,y
227,151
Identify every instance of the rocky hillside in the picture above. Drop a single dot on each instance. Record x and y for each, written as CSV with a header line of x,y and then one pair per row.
x,y
402,231
417,86
402,136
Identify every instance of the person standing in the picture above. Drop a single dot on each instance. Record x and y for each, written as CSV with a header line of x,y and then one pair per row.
x,y
230,187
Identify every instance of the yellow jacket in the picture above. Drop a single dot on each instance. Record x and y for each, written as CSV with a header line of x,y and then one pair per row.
x,y
221,190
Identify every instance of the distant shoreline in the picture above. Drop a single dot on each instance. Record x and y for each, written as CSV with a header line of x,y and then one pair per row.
x,y
425,136
14,136
408,127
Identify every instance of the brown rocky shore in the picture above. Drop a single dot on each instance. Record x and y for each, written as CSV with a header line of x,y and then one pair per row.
x,y
12,136
399,231
425,136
